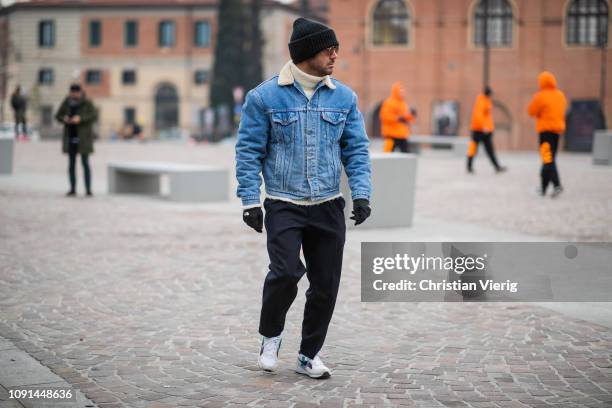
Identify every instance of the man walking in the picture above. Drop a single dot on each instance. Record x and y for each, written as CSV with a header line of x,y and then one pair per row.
x,y
19,104
548,107
395,120
298,129
482,130
77,114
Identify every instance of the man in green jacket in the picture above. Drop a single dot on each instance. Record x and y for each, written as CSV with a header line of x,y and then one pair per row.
x,y
19,104
77,114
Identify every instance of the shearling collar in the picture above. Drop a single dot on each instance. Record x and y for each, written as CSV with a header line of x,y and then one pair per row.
x,y
285,77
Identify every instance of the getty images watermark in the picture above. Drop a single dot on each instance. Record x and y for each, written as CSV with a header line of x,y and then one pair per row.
x,y
485,271
459,265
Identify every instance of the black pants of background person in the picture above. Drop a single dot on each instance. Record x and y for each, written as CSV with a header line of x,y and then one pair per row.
x,y
73,150
401,144
20,119
548,154
319,230
487,140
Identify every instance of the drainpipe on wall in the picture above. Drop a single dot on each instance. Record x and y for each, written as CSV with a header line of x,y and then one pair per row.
x,y
485,43
602,78
365,77
189,40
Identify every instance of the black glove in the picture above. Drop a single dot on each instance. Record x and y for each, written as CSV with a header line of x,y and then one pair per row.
x,y
253,217
361,210
403,119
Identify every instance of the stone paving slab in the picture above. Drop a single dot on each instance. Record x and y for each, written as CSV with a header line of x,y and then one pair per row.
x,y
19,369
5,401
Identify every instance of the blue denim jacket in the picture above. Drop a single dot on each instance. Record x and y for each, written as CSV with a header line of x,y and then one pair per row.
x,y
300,145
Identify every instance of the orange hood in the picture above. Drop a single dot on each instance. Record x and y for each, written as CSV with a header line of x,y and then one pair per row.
x,y
396,91
547,80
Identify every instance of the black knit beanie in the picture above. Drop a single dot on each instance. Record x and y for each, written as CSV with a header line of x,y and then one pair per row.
x,y
308,38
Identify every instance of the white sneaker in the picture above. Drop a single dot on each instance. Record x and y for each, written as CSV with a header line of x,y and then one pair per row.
x,y
268,354
314,368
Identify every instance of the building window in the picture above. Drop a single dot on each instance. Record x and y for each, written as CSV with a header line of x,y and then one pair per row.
x,y
200,76
129,116
587,22
128,77
167,34
46,34
93,77
391,23
46,115
95,33
202,34
497,15
45,76
131,33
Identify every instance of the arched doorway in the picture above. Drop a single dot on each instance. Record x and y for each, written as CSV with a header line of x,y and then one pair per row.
x,y
503,125
374,128
166,107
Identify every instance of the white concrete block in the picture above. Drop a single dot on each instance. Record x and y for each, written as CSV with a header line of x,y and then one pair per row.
x,y
187,182
393,191
602,147
7,150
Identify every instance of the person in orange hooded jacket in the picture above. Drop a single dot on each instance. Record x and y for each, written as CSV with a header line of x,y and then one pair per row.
x,y
482,130
395,119
548,107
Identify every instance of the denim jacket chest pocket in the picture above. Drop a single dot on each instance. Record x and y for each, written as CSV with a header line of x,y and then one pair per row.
x,y
284,126
333,125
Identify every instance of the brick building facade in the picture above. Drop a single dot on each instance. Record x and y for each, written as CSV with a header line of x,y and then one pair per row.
x,y
435,48
144,60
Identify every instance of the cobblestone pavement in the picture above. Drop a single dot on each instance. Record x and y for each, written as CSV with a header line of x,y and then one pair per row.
x,y
142,303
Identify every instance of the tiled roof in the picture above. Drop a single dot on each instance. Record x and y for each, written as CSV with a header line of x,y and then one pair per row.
x,y
126,3
31,4
115,3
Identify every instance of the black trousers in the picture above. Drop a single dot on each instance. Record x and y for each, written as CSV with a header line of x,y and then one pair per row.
x,y
73,150
549,142
20,119
319,230
487,140
401,144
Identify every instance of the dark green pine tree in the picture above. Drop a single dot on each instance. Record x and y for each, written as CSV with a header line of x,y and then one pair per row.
x,y
229,56
253,46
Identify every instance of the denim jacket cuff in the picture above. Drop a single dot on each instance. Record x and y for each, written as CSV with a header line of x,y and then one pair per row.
x,y
361,194
250,201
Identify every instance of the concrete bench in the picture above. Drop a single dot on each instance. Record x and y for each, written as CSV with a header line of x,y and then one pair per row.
x,y
459,145
7,148
393,191
602,147
187,182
